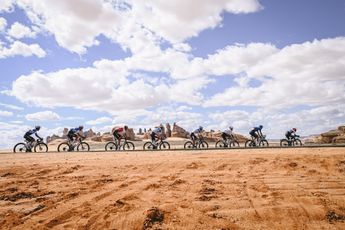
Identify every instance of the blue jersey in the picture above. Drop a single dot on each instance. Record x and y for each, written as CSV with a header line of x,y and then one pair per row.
x,y
256,129
30,132
75,130
197,131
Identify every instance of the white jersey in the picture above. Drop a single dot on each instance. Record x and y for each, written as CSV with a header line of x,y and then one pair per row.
x,y
228,131
157,130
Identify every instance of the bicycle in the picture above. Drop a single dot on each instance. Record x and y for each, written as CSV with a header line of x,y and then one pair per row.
x,y
69,146
126,145
293,141
38,146
228,143
199,143
161,144
260,141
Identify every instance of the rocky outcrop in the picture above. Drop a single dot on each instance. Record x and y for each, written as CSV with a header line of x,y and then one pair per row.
x,y
178,131
168,130
130,134
217,135
89,133
96,138
53,138
64,132
336,136
107,137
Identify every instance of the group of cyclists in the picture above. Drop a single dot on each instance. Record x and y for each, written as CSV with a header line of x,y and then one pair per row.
x,y
119,132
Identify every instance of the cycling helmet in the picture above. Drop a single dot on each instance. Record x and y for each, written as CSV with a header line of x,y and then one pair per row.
x,y
231,128
37,127
260,126
81,127
126,127
294,129
200,128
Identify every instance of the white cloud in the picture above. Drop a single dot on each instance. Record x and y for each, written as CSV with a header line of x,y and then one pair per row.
x,y
19,31
6,5
13,107
3,24
100,120
5,113
43,116
21,49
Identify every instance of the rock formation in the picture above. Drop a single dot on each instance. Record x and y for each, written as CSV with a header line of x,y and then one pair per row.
x,y
168,130
336,136
178,131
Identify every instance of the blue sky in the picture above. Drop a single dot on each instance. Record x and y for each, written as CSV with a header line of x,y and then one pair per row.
x,y
227,62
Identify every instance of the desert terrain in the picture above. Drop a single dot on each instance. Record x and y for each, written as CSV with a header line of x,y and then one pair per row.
x,y
302,188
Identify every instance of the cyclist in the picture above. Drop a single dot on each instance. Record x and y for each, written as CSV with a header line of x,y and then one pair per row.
x,y
196,134
290,134
255,133
74,133
227,134
119,133
157,133
29,138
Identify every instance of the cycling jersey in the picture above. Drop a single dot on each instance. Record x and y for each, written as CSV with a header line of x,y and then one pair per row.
x,y
157,130
120,130
228,131
75,130
30,132
198,131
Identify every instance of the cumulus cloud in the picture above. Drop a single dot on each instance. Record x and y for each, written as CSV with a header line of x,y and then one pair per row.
x,y
21,49
100,120
5,113
9,106
19,31
6,5
3,24
42,116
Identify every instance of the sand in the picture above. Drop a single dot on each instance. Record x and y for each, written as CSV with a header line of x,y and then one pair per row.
x,y
230,189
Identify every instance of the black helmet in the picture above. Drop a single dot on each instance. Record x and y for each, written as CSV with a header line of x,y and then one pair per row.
x,y
81,127
260,126
37,127
126,127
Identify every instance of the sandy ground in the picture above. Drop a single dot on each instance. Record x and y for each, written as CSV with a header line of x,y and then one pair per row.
x,y
233,189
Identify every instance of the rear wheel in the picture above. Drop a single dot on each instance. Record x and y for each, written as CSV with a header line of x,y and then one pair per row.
x,y
20,148
249,144
234,144
164,145
83,147
297,142
128,146
64,147
111,146
220,144
149,146
203,145
188,145
284,143
263,143
41,148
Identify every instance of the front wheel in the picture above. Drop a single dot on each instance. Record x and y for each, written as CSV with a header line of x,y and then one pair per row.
x,y
149,146
111,146
41,148
128,146
64,147
221,144
203,145
284,143
263,143
249,144
20,148
188,145
164,145
83,147
297,142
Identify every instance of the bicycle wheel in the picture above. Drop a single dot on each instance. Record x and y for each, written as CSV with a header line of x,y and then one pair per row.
x,y
83,146
234,144
220,144
263,143
20,148
64,147
203,145
249,144
128,146
188,145
111,146
41,148
164,145
297,142
149,146
284,143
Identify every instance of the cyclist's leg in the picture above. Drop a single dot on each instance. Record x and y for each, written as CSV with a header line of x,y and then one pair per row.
x,y
117,138
225,136
193,138
30,141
